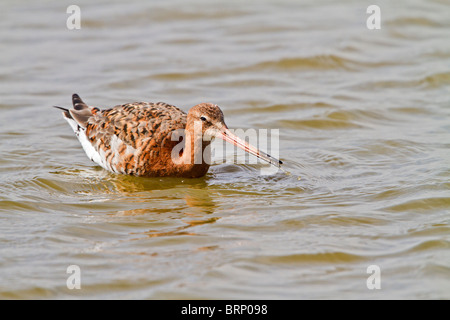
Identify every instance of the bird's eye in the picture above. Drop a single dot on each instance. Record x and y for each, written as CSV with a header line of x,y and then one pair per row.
x,y
202,118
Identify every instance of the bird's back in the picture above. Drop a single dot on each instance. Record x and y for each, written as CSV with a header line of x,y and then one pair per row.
x,y
134,138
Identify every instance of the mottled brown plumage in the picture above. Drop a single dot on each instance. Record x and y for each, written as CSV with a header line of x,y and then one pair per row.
x,y
143,138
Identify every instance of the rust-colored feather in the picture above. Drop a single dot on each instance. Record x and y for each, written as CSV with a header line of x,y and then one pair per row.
x,y
135,137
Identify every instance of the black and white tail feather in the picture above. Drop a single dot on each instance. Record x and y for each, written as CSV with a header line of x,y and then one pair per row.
x,y
77,119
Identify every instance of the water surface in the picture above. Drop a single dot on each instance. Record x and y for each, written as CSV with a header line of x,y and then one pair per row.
x,y
364,133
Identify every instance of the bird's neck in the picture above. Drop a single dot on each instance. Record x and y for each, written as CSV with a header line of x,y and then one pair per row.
x,y
196,156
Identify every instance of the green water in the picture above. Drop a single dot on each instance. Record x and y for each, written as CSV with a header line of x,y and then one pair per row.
x,y
364,124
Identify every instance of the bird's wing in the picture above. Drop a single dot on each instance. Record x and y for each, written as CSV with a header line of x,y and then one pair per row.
x,y
122,138
134,124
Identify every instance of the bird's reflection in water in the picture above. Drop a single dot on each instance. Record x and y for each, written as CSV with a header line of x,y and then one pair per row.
x,y
181,230
186,200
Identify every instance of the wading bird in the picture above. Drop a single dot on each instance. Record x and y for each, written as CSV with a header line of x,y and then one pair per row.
x,y
139,138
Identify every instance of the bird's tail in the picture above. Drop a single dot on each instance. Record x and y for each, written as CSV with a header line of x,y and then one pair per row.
x,y
66,112
80,112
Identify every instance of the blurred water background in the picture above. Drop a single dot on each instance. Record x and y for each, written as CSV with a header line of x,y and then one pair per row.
x,y
364,133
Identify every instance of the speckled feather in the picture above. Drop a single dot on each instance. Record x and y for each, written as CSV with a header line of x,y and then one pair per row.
x,y
134,138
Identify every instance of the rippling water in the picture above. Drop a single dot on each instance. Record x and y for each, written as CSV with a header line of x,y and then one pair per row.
x,y
364,124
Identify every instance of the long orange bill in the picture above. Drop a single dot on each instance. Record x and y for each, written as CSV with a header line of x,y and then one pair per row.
x,y
230,137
